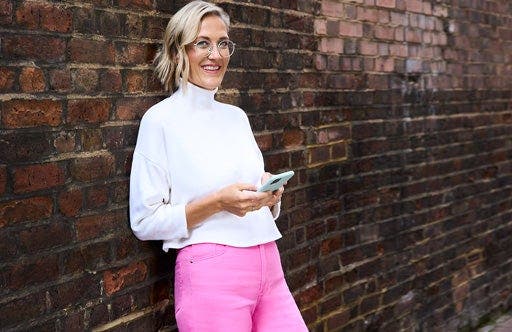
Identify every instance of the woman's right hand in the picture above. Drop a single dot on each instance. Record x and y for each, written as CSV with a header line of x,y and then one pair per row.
x,y
240,198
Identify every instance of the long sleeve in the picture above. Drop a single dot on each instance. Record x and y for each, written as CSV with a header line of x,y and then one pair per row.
x,y
151,215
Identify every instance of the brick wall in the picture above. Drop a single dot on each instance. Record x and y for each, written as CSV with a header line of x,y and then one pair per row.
x,y
396,116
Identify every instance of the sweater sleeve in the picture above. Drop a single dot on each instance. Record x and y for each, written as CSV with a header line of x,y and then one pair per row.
x,y
152,217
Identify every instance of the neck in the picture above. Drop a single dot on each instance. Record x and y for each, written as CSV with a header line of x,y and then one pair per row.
x,y
198,97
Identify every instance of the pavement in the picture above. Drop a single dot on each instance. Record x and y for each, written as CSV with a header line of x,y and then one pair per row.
x,y
502,324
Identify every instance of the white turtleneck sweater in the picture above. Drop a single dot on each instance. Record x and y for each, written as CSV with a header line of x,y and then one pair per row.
x,y
189,146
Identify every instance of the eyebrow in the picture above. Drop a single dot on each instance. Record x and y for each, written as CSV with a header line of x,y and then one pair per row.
x,y
208,38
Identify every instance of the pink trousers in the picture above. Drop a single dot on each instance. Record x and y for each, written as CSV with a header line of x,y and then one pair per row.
x,y
223,288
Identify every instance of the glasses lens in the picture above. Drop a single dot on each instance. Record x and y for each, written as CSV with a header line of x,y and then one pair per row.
x,y
226,48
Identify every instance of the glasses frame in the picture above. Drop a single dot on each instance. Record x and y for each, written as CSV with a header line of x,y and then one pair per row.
x,y
210,48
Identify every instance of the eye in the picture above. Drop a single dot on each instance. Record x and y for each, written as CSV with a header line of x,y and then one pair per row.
x,y
203,44
223,44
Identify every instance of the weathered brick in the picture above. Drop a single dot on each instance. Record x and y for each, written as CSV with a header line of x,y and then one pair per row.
x,y
46,16
110,80
65,142
131,54
46,236
60,80
37,271
38,177
97,197
117,280
386,3
24,147
92,139
85,80
135,81
351,29
3,179
7,76
34,47
31,113
143,4
70,202
34,305
133,108
96,226
91,51
23,210
88,169
6,12
32,80
88,111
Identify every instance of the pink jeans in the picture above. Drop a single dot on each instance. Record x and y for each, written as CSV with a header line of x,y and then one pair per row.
x,y
223,288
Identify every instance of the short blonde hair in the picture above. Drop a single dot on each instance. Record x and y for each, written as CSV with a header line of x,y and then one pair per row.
x,y
183,28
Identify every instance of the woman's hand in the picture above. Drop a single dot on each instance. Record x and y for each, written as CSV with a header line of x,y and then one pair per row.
x,y
241,198
275,196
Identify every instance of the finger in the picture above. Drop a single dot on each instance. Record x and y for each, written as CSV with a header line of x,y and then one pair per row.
x,y
246,186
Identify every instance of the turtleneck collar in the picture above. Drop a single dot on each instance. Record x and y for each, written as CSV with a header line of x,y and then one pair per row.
x,y
196,96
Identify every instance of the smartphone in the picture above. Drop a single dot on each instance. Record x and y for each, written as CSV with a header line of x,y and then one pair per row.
x,y
276,181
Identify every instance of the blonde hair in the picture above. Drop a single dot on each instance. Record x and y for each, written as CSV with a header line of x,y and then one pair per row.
x,y
171,61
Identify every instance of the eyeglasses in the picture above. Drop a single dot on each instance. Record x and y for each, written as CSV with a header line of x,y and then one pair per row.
x,y
224,47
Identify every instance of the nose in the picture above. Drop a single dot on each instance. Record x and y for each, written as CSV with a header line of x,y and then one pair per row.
x,y
214,53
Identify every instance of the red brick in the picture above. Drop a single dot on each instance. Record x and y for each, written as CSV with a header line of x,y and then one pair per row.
x,y
265,141
367,14
34,47
7,76
3,179
133,108
47,16
31,113
386,3
32,80
351,29
60,80
144,4
331,8
91,51
383,32
331,45
96,226
114,281
293,138
97,197
70,202
133,54
38,177
135,81
368,48
92,139
88,111
65,142
5,12
415,6
88,169
33,304
45,236
85,80
24,274
28,209
111,80
318,154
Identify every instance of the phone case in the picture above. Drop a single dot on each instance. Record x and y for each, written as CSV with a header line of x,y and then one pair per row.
x,y
276,181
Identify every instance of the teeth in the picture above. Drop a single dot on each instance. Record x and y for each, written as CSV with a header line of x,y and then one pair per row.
x,y
211,67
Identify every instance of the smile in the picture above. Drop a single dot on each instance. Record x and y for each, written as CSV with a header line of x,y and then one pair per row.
x,y
211,68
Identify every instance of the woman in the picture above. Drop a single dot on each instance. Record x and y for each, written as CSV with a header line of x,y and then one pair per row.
x,y
195,172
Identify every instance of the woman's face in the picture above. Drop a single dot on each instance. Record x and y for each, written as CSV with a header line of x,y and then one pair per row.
x,y
207,70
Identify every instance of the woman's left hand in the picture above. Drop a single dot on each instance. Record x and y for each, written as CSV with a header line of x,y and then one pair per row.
x,y
273,197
